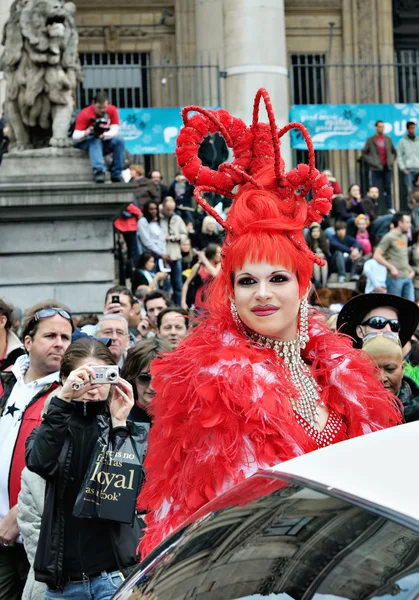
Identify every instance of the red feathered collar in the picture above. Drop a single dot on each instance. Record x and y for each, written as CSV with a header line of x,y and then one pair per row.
x,y
222,410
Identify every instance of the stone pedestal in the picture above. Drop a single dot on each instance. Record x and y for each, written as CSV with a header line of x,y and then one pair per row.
x,y
46,164
56,237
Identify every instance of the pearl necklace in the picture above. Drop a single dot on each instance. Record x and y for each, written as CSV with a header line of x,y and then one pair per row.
x,y
308,404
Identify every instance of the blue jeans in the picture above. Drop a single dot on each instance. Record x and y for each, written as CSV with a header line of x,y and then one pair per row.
x,y
341,264
382,180
176,280
409,179
403,286
98,588
97,149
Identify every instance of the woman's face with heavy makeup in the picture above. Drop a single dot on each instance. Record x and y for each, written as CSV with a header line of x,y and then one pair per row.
x,y
267,299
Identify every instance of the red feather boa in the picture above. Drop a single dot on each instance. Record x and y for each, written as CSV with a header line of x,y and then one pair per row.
x,y
221,410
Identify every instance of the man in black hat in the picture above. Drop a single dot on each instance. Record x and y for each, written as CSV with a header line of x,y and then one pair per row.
x,y
378,312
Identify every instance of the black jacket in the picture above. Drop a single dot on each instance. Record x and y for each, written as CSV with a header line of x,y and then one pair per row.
x,y
409,396
59,450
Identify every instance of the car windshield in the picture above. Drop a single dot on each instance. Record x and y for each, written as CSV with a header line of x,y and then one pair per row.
x,y
294,544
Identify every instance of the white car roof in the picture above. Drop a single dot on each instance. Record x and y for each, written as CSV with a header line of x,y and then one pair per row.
x,y
379,467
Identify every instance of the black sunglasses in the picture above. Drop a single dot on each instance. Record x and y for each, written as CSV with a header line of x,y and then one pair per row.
x,y
381,322
144,378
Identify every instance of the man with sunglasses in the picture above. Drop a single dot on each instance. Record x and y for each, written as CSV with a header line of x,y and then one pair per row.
x,y
367,313
47,329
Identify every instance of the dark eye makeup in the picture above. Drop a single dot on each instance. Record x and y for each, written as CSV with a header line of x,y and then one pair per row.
x,y
278,278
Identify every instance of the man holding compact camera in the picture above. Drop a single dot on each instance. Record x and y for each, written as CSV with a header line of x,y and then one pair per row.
x,y
96,130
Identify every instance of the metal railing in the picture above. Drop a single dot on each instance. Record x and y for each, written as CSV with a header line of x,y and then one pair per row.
x,y
324,79
133,81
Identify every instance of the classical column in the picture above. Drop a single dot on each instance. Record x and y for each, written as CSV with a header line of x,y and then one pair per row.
x,y
256,56
210,45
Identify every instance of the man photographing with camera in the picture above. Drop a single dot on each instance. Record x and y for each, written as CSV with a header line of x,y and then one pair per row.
x,y
96,130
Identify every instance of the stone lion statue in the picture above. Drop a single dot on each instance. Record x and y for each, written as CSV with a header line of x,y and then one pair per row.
x,y
42,68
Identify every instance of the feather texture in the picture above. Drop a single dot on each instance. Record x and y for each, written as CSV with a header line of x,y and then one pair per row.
x,y
222,411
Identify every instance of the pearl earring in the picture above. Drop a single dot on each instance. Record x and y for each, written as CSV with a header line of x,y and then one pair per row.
x,y
303,333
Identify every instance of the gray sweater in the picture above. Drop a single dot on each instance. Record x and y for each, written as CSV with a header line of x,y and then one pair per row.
x,y
30,509
408,153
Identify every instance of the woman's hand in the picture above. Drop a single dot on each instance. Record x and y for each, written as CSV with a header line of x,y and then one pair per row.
x,y
161,276
78,377
184,305
121,403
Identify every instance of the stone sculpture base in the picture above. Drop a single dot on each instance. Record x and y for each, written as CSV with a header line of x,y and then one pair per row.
x,y
56,236
47,164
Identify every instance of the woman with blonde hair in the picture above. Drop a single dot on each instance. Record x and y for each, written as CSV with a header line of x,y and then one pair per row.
x,y
209,233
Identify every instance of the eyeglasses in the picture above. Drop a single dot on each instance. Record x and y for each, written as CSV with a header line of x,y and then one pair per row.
x,y
381,322
144,378
46,313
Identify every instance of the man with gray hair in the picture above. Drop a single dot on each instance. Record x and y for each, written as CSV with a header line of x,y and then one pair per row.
x,y
115,327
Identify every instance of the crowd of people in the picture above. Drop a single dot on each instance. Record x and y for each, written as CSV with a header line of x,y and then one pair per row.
x,y
227,353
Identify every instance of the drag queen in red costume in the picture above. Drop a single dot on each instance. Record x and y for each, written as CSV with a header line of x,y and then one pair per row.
x,y
259,381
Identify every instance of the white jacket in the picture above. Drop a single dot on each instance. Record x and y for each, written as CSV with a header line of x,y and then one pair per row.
x,y
30,509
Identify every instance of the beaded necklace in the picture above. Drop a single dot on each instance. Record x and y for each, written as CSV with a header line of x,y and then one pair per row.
x,y
308,403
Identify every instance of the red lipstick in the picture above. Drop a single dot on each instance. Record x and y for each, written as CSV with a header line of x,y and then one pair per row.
x,y
264,311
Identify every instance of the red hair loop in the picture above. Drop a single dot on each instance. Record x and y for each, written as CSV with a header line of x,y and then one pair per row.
x,y
256,164
262,93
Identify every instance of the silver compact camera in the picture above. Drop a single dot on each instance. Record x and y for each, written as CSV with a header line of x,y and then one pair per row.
x,y
106,374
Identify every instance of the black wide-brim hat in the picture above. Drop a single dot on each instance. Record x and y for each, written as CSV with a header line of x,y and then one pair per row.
x,y
354,311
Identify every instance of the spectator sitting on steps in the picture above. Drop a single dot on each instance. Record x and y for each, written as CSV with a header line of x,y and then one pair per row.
x,y
346,253
96,130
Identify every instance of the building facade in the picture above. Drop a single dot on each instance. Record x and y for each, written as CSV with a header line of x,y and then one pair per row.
x,y
219,52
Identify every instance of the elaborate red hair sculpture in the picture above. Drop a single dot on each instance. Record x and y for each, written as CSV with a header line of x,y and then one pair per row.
x,y
269,211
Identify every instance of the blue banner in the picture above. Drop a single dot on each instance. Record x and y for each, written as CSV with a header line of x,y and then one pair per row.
x,y
150,130
347,126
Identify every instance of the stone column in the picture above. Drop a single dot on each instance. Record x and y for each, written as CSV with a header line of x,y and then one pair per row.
x,y
256,56
210,43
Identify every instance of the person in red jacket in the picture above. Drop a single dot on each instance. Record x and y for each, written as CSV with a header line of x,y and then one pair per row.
x,y
47,329
260,380
96,130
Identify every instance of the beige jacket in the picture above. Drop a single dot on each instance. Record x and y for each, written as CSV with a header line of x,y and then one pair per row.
x,y
174,226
